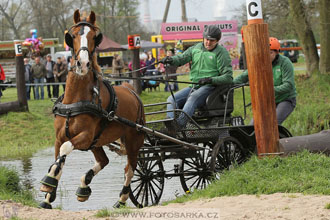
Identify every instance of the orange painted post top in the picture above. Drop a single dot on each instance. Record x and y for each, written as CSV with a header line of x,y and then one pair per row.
x,y
254,12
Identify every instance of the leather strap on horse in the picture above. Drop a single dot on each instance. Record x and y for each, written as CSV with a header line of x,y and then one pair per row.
x,y
88,107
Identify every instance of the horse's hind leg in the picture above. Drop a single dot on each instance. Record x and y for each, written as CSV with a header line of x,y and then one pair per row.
x,y
133,144
50,181
84,191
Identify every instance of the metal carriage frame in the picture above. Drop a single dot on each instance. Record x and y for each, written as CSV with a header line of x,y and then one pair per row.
x,y
212,141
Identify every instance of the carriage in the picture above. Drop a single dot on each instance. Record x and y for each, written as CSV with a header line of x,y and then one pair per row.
x,y
212,141
93,114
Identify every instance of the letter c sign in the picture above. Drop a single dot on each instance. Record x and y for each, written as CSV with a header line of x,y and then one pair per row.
x,y
253,8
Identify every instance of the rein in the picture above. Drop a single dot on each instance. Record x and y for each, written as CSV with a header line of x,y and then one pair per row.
x,y
146,78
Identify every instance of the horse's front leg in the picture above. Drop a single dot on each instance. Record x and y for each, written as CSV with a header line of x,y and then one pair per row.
x,y
84,191
50,181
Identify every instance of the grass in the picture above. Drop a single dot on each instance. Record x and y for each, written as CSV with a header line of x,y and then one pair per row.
x,y
11,188
327,206
305,173
124,211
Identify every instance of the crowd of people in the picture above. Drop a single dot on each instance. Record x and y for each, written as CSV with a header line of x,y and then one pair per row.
x,y
45,71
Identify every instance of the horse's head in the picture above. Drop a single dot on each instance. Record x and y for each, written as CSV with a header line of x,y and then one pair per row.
x,y
83,37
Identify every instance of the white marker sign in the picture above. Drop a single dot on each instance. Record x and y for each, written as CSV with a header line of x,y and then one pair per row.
x,y
253,8
18,47
137,41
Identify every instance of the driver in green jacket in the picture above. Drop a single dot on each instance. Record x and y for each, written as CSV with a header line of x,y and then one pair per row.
x,y
210,66
284,85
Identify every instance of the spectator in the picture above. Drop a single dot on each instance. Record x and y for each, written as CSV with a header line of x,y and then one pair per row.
x,y
50,76
69,60
150,63
168,70
39,73
2,79
284,85
28,77
60,71
117,67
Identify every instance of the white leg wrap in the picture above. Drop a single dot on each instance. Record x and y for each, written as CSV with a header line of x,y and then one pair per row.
x,y
96,168
128,178
66,148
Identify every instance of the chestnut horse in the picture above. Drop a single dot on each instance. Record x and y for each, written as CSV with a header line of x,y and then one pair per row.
x,y
84,115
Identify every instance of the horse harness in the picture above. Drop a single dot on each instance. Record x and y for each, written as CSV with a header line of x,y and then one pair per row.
x,y
93,107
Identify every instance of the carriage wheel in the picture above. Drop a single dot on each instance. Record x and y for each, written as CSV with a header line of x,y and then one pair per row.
x,y
226,153
196,172
147,184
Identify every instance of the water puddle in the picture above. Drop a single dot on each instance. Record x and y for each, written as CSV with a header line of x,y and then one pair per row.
x,y
105,186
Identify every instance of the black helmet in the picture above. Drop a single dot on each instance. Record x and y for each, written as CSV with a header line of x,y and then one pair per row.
x,y
212,32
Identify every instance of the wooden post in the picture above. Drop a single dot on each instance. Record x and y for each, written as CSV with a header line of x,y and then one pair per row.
x,y
20,83
21,104
256,41
136,74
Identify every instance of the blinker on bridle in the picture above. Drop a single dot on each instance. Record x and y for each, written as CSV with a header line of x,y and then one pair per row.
x,y
69,38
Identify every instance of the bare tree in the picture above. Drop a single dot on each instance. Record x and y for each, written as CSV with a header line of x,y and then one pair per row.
x,y
184,12
168,3
11,12
324,8
304,31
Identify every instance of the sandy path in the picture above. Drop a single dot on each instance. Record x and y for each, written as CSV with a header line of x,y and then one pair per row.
x,y
276,206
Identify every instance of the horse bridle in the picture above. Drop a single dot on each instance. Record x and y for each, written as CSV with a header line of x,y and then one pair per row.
x,y
69,38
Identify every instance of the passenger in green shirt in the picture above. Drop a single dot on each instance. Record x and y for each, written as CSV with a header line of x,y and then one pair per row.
x,y
284,85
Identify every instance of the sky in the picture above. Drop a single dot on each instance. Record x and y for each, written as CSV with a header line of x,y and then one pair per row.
x,y
202,10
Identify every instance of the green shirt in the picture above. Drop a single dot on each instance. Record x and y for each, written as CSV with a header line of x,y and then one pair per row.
x,y
283,77
215,64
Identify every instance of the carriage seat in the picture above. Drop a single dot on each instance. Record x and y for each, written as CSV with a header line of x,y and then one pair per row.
x,y
216,103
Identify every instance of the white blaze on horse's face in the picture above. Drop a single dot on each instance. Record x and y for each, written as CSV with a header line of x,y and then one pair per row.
x,y
84,54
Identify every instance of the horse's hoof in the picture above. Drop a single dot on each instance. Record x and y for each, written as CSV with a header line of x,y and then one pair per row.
x,y
82,199
83,193
49,181
119,204
45,205
47,189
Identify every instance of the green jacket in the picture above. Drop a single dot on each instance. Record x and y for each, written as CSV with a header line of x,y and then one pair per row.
x,y
38,70
283,76
215,64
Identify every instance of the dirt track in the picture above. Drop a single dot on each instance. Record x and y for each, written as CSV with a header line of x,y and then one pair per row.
x,y
276,206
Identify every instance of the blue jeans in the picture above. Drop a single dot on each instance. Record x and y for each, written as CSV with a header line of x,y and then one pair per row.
x,y
36,88
28,90
188,99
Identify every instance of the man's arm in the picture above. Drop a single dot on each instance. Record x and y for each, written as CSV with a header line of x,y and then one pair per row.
x,y
181,59
243,78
